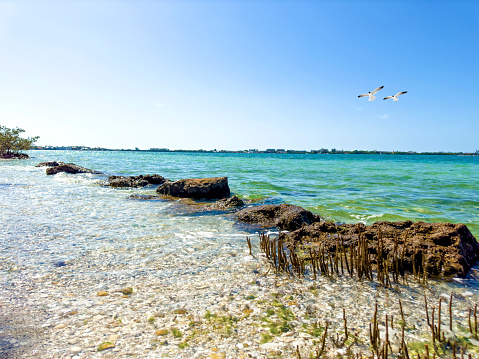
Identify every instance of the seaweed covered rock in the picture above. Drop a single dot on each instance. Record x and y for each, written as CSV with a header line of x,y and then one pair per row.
x,y
69,168
445,249
284,216
135,181
197,188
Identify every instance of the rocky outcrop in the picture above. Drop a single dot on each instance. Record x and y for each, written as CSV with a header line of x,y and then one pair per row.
x,y
284,216
135,181
10,156
448,249
197,188
69,168
49,164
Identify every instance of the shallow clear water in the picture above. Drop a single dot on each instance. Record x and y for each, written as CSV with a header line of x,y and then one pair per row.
x,y
52,218
344,188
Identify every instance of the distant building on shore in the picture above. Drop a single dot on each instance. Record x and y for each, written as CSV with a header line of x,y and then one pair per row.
x,y
255,150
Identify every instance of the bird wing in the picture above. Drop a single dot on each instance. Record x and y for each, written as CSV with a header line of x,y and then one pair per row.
x,y
400,93
387,97
363,95
379,88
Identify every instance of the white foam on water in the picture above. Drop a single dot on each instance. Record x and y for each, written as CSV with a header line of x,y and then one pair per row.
x,y
364,219
78,179
184,236
206,234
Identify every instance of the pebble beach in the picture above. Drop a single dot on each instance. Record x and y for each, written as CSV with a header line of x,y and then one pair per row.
x,y
228,306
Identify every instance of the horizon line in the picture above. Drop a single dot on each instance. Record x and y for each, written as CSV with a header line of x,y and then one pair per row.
x,y
269,150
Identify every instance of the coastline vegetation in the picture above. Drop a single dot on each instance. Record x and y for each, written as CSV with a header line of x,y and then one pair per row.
x,y
11,144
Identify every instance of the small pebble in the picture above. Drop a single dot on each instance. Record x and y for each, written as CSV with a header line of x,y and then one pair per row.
x,y
75,349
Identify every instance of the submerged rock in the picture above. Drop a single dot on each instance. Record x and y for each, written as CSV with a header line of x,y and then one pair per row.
x,y
50,164
227,203
448,249
69,168
284,216
60,264
135,181
144,197
197,188
127,291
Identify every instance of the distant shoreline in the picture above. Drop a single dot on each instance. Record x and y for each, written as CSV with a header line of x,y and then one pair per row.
x,y
268,151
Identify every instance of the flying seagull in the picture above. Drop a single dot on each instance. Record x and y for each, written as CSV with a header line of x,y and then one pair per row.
x,y
371,94
395,97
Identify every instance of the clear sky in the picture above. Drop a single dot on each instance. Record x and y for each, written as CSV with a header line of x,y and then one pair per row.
x,y
242,74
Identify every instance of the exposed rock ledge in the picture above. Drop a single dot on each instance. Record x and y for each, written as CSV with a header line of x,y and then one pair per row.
x,y
197,188
284,216
135,181
50,164
68,168
449,249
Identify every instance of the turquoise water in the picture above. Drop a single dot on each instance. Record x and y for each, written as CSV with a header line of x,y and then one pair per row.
x,y
54,218
344,188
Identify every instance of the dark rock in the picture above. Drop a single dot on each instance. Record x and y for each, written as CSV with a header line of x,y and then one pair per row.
x,y
449,249
227,203
135,181
155,179
49,164
20,156
60,264
284,216
204,188
69,168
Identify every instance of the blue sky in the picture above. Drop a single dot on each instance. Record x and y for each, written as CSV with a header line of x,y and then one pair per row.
x,y
242,74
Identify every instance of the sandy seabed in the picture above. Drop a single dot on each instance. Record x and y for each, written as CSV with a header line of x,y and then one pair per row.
x,y
228,305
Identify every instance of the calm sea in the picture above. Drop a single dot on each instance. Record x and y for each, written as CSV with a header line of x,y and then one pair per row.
x,y
58,214
344,188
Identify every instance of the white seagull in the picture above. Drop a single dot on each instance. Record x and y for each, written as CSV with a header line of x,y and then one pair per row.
x,y
395,97
371,94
